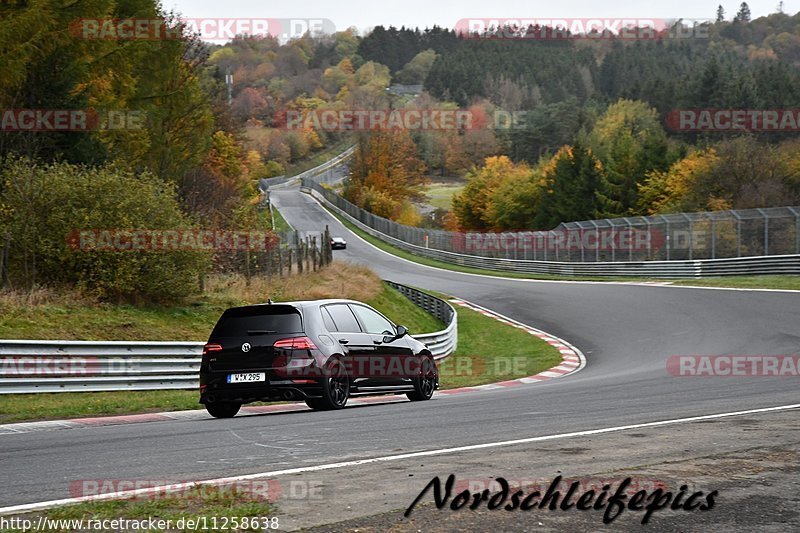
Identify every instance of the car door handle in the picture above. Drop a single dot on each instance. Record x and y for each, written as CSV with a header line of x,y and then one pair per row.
x,y
376,342
343,341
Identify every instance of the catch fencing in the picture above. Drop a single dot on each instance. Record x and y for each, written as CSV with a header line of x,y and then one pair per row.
x,y
32,366
750,241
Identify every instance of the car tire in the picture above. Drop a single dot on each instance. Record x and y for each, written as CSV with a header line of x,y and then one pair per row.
x,y
335,389
315,403
426,383
223,409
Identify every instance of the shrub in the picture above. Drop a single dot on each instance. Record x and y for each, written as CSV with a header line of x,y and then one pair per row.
x,y
41,205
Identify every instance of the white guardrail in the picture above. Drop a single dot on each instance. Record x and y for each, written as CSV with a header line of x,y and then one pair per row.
x,y
28,366
266,183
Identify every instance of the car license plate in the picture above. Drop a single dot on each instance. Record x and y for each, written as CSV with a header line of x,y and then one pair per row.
x,y
247,378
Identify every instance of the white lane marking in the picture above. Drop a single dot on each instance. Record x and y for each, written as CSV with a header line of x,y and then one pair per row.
x,y
29,507
665,284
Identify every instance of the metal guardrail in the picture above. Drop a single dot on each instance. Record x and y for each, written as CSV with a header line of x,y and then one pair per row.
x,y
28,366
264,184
76,366
441,343
767,264
319,169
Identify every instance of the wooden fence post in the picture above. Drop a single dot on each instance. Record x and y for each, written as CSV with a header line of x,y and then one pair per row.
x,y
247,268
314,253
308,256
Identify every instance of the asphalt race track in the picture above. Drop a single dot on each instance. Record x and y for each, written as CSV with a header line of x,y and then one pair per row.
x,y
627,333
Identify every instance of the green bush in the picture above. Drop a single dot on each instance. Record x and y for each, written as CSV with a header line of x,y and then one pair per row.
x,y
42,205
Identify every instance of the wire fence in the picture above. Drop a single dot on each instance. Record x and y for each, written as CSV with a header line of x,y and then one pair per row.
x,y
290,253
671,237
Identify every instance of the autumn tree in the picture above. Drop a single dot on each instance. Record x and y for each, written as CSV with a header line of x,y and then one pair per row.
x,y
737,173
473,206
386,175
679,188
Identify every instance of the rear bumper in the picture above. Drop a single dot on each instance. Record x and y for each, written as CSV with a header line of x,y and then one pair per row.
x,y
214,388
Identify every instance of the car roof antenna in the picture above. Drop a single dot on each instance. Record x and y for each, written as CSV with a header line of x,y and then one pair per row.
x,y
269,301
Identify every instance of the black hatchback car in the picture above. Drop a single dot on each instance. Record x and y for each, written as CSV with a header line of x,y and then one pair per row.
x,y
321,351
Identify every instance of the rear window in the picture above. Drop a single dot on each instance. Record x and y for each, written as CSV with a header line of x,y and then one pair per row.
x,y
261,320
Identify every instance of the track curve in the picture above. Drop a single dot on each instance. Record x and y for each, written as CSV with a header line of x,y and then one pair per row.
x,y
627,332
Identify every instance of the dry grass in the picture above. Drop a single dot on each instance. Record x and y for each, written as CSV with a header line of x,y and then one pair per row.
x,y
340,280
10,299
67,314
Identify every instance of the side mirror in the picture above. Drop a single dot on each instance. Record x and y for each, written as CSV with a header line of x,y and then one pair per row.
x,y
402,331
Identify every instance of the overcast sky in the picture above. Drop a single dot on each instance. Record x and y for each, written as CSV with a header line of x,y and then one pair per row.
x,y
365,14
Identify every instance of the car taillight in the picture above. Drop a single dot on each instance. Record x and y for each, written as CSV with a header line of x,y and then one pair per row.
x,y
212,348
297,343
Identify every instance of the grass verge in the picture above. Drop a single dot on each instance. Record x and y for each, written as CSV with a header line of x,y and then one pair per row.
x,y
205,507
440,194
280,222
58,406
784,282
490,351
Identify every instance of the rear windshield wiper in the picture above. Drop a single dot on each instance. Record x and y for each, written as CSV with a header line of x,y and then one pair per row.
x,y
260,332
